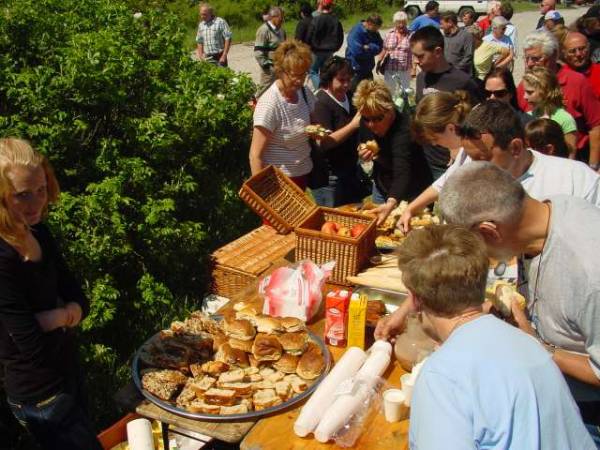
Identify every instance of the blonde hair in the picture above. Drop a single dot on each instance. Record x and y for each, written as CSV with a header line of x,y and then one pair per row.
x,y
18,152
544,81
373,97
292,55
446,267
435,111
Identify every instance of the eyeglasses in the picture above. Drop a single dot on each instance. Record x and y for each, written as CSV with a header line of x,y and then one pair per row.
x,y
373,119
534,59
499,93
574,51
296,76
468,132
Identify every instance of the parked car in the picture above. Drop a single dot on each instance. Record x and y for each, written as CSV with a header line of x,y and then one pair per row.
x,y
415,8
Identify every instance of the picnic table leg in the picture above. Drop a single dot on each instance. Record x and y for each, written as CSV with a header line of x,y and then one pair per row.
x,y
164,428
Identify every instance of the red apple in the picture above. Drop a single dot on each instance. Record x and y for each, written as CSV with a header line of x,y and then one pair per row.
x,y
357,230
344,231
330,228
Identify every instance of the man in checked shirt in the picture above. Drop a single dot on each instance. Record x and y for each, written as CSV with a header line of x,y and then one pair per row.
x,y
213,37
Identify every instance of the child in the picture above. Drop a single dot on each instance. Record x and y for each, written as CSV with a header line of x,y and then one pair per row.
x,y
546,136
489,385
544,95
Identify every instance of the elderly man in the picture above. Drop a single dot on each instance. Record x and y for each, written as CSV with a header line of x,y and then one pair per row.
x,y
493,10
575,50
559,240
268,37
541,49
545,6
213,37
458,43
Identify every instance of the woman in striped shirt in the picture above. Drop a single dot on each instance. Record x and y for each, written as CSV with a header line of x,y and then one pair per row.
x,y
282,114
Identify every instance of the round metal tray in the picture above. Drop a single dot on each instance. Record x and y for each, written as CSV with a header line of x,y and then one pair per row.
x,y
172,408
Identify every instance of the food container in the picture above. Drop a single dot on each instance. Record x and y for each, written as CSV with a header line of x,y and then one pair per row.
x,y
392,299
239,263
276,198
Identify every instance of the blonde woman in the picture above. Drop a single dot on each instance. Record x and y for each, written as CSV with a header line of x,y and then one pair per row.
x,y
400,171
544,95
282,114
438,120
397,47
40,302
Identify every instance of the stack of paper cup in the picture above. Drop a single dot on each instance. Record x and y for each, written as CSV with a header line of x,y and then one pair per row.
x,y
408,383
139,435
393,405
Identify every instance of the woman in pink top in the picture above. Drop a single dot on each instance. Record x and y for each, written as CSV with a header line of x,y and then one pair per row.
x,y
396,45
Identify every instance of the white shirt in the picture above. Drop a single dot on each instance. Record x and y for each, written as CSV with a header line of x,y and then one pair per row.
x,y
546,176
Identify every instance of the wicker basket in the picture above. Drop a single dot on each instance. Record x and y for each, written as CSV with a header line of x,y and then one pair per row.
x,y
242,261
351,254
277,199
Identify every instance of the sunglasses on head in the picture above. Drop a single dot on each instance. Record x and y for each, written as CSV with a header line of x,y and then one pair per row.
x,y
373,119
498,93
467,132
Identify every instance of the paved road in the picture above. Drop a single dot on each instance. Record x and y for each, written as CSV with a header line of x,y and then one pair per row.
x,y
241,56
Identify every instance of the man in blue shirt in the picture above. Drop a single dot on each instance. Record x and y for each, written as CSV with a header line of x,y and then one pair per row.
x,y
430,18
489,385
364,43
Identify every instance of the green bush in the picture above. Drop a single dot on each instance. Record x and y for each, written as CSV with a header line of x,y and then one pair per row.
x,y
150,149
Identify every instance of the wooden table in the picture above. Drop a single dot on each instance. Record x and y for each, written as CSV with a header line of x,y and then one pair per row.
x,y
276,431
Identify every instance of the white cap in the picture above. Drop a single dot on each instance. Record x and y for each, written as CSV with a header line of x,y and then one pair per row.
x,y
552,15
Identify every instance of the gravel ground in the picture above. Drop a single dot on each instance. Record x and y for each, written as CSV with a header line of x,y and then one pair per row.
x,y
241,56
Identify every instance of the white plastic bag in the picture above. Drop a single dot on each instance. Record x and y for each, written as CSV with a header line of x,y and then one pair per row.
x,y
295,291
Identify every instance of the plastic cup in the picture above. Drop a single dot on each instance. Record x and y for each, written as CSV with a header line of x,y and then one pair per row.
x,y
394,408
407,387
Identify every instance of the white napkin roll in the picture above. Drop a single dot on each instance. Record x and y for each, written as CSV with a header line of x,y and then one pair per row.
x,y
317,404
139,435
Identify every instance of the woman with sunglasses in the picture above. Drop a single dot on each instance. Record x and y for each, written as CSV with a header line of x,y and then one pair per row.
x,y
544,96
400,170
335,180
437,121
499,84
282,114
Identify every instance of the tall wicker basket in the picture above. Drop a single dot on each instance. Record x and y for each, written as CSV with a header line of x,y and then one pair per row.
x,y
276,198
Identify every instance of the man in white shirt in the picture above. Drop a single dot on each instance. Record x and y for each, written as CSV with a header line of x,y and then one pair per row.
x,y
493,132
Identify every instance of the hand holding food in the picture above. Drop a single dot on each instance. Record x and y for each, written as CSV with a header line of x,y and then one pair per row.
x,y
317,131
367,151
382,212
404,221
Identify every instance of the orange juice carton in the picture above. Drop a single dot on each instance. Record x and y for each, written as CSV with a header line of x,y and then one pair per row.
x,y
336,317
357,318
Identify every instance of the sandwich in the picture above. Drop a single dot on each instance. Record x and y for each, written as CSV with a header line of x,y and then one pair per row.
x,y
268,325
503,295
221,397
200,406
239,329
255,363
293,343
201,385
372,146
311,364
248,313
283,389
265,398
232,356
241,389
245,346
287,363
292,324
236,409
266,348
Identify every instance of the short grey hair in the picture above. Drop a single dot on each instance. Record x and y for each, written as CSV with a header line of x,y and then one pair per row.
x,y
400,16
481,192
276,11
493,5
543,39
499,21
208,7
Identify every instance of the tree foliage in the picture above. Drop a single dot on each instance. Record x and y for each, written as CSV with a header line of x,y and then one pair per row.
x,y
150,149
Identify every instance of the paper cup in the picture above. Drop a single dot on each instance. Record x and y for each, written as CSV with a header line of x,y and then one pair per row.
x,y
407,387
139,435
393,405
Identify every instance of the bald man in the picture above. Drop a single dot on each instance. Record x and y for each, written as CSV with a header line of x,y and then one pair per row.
x,y
575,51
545,6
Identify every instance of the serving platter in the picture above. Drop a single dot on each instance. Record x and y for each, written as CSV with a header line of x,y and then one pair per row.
x,y
251,415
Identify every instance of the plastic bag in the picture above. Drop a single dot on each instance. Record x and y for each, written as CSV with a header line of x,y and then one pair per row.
x,y
295,291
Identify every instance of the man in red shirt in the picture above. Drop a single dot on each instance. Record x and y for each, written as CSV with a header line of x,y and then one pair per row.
x,y
576,53
541,49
